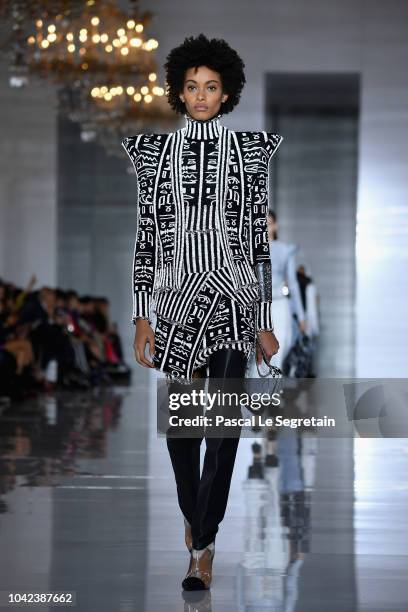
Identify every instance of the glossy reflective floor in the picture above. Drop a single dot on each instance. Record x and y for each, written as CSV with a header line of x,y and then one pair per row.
x,y
88,504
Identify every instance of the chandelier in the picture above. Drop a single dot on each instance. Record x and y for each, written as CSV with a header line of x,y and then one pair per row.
x,y
97,55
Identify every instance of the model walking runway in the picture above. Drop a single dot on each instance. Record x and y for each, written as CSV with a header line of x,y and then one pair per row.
x,y
201,264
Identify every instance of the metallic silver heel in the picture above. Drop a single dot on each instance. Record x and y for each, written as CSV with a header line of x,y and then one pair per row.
x,y
199,575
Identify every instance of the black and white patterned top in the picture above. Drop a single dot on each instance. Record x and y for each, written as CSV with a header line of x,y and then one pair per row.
x,y
203,249
214,319
202,202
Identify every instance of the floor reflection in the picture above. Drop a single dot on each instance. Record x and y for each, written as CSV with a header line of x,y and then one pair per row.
x,y
42,441
88,504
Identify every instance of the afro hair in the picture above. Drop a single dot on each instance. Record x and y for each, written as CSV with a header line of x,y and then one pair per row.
x,y
214,53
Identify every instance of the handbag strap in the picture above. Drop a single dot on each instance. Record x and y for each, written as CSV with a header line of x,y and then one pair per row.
x,y
273,370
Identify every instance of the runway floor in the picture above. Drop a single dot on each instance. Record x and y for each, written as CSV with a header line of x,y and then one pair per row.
x,y
88,505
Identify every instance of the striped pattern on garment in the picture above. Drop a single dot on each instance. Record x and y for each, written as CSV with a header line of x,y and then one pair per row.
x,y
241,185
213,321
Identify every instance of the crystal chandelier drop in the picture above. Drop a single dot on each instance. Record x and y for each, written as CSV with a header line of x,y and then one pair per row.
x,y
97,55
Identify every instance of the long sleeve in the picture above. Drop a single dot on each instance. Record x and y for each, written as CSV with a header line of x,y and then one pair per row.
x,y
312,314
144,254
259,245
293,284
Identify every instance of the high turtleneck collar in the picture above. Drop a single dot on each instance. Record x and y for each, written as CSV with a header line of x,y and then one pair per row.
x,y
202,129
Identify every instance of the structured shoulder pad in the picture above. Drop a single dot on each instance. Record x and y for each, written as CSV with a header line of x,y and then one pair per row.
x,y
150,144
131,146
272,142
142,144
253,143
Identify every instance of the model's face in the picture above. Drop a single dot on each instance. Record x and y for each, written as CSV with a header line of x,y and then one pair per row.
x,y
202,92
272,227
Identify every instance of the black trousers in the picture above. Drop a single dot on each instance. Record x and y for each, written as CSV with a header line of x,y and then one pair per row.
x,y
203,499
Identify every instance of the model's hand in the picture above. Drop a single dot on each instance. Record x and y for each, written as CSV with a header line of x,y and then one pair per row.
x,y
143,335
270,345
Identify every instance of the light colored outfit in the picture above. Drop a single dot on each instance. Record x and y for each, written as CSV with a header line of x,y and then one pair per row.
x,y
312,314
284,280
